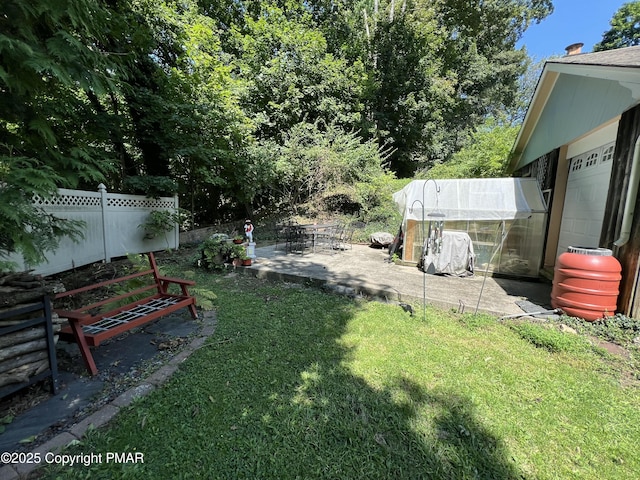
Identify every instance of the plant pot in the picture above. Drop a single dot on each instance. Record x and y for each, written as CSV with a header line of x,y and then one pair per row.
x,y
237,241
246,263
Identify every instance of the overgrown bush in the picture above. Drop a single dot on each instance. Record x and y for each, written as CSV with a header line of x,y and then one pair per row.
x,y
215,252
619,329
485,154
319,170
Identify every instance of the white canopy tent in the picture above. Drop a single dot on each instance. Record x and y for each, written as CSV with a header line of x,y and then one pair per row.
x,y
511,210
471,198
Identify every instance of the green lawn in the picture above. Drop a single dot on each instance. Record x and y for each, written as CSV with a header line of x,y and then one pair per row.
x,y
297,383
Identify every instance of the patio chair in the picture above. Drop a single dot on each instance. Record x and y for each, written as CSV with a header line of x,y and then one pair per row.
x,y
327,239
281,232
296,240
349,231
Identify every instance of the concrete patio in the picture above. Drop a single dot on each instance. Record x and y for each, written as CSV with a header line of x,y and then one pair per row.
x,y
367,271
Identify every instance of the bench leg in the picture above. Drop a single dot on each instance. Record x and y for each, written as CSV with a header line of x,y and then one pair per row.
x,y
192,307
78,334
194,312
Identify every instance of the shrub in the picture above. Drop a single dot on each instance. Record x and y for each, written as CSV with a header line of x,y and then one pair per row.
x,y
215,252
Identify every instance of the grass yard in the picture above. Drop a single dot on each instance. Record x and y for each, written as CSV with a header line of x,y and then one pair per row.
x,y
296,383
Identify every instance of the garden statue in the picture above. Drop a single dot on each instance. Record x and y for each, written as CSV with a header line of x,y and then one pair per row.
x,y
248,230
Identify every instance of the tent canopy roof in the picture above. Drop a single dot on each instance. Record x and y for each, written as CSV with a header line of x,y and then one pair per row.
x,y
471,199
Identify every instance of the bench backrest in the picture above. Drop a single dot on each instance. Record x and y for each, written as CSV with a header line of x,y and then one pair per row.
x,y
152,272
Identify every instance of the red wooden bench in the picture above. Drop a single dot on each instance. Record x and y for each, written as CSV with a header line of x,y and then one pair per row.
x,y
89,326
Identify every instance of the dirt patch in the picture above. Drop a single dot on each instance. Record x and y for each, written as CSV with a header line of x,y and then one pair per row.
x,y
612,348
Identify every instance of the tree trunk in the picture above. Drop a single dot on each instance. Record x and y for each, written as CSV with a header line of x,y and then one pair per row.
x,y
115,135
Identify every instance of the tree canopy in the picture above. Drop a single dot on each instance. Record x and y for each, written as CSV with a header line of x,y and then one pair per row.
x,y
242,106
625,29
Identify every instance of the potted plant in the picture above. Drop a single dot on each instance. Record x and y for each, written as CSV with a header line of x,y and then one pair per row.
x,y
238,239
237,253
246,261
160,222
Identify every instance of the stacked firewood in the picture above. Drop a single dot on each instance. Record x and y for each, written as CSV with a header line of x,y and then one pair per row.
x,y
23,353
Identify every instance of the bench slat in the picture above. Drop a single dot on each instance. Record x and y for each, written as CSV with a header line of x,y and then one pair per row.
x,y
94,286
117,298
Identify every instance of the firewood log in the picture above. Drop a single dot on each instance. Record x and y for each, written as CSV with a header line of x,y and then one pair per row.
x,y
11,278
22,348
22,336
12,295
20,360
22,374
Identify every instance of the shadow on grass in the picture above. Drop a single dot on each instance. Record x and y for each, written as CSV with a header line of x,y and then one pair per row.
x,y
272,396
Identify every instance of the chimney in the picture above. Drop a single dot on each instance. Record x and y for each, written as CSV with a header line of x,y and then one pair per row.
x,y
574,48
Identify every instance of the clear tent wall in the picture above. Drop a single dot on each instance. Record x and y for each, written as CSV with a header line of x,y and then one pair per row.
x,y
504,218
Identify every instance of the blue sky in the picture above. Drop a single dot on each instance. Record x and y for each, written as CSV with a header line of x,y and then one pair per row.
x,y
572,21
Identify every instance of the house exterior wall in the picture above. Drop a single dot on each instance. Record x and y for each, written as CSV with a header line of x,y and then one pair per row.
x,y
576,105
603,135
628,131
552,171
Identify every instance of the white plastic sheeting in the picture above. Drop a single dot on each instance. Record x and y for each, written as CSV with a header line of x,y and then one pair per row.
x,y
504,217
471,199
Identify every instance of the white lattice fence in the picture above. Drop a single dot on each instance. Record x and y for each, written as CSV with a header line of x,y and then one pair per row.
x,y
111,228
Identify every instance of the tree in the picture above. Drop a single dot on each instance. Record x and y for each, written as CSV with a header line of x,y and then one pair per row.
x,y
484,156
478,54
515,113
289,77
209,135
210,98
625,29
49,135
436,69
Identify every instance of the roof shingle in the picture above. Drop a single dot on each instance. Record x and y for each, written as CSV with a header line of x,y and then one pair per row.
x,y
621,57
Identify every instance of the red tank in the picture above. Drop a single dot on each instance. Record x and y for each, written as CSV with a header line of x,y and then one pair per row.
x,y
586,283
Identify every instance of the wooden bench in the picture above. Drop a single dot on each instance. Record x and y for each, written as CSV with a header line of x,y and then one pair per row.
x,y
89,326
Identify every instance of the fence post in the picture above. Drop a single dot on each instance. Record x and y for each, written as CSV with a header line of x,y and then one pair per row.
x,y
176,228
103,208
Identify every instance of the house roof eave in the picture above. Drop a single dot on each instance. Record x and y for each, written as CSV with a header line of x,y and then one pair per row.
x,y
621,66
540,97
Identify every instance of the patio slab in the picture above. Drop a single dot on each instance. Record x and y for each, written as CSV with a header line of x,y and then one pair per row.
x,y
367,271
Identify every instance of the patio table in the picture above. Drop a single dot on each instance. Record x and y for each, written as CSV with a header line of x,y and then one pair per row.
x,y
319,233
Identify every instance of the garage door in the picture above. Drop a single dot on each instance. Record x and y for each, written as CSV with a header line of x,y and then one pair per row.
x,y
585,199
